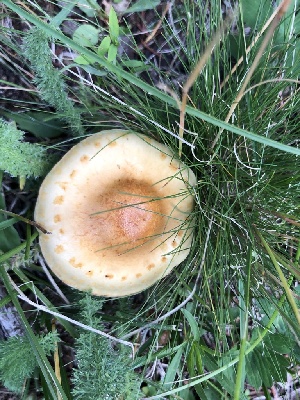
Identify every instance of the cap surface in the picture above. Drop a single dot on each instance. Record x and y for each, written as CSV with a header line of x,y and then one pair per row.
x,y
118,208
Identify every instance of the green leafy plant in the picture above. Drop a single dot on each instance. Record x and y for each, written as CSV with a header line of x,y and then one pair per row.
x,y
86,35
20,158
104,371
16,361
48,79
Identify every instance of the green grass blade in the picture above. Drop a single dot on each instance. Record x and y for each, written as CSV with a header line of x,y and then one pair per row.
x,y
173,368
8,223
144,86
244,298
193,324
63,14
284,282
216,372
67,325
48,373
6,256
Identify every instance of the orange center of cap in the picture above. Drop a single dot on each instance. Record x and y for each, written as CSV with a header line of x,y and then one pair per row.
x,y
128,214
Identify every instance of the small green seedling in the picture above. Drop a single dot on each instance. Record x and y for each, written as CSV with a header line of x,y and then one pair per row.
x,y
109,44
87,35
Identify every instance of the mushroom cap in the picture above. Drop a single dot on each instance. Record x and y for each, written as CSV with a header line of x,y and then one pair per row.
x,y
118,208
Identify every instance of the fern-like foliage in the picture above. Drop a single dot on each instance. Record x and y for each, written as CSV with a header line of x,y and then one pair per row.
x,y
19,158
17,362
48,79
103,373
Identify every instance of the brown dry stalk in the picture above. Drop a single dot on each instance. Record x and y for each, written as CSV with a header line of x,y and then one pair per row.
x,y
280,12
26,220
196,72
56,362
248,49
158,25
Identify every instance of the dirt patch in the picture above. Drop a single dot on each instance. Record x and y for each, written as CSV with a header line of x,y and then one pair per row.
x,y
5,395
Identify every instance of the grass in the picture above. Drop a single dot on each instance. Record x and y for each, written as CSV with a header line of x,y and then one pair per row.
x,y
236,296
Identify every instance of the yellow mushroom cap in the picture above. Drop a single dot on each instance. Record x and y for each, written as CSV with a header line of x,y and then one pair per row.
x,y
118,208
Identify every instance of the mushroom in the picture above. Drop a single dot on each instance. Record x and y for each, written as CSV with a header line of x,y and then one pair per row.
x,y
118,206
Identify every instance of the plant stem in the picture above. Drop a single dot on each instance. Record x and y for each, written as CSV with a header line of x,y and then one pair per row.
x,y
284,282
244,296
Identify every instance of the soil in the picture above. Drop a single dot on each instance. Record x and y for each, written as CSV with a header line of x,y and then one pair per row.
x,y
5,395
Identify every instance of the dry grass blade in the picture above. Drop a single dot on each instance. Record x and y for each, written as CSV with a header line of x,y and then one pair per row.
x,y
26,220
158,25
281,10
195,73
284,282
56,362
254,41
